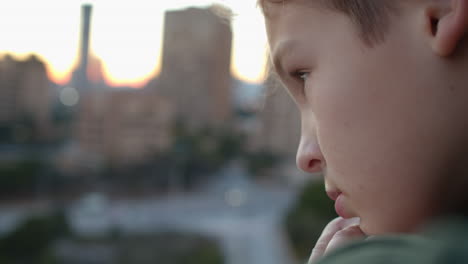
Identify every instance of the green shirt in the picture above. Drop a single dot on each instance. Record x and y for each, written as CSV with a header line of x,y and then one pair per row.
x,y
444,243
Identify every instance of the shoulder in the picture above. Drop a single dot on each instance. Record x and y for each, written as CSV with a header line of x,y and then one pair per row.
x,y
382,250
445,243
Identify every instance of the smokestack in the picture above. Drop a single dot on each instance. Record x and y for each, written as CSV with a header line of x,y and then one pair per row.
x,y
85,25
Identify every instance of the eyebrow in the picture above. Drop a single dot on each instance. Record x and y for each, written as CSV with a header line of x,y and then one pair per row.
x,y
281,51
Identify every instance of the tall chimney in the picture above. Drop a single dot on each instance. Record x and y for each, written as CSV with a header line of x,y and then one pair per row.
x,y
85,25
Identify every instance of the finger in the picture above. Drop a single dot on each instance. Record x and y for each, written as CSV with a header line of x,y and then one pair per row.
x,y
324,239
345,236
327,234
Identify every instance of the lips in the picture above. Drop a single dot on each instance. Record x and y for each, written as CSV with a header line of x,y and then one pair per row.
x,y
340,208
333,194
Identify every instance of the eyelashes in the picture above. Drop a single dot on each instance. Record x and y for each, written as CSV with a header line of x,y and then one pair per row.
x,y
299,75
298,82
303,75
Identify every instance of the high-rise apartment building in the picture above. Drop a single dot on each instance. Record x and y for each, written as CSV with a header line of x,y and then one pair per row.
x,y
280,124
196,66
25,95
124,127
10,73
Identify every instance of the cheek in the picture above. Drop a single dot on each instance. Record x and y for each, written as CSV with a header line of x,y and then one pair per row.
x,y
370,123
374,116
364,160
348,126
380,143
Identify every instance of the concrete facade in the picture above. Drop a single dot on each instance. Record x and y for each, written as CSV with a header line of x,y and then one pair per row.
x,y
196,66
280,125
124,127
26,94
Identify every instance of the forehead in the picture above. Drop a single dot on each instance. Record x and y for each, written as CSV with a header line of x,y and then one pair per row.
x,y
285,18
270,7
288,28
296,32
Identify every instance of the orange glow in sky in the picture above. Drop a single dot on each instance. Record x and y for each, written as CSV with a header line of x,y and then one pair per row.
x,y
126,36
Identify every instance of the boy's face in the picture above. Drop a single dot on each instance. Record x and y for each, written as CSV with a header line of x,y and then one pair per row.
x,y
378,121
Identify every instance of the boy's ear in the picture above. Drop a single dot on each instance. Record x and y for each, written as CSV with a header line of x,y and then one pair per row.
x,y
448,21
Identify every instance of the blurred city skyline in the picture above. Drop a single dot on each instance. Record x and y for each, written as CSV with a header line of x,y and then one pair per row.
x,y
196,164
126,38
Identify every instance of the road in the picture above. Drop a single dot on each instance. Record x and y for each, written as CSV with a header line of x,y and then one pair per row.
x,y
245,217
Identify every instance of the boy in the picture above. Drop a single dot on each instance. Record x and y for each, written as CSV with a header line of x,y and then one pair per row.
x,y
382,88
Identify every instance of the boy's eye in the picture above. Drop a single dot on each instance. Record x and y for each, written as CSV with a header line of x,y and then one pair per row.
x,y
300,75
299,78
303,75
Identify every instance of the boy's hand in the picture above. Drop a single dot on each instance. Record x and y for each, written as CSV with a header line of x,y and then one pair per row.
x,y
338,232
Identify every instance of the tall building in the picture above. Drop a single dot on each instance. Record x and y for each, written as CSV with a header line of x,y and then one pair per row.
x,y
36,96
80,78
25,96
9,81
280,124
278,131
124,127
196,66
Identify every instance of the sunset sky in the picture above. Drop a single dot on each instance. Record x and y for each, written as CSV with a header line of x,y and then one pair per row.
x,y
126,35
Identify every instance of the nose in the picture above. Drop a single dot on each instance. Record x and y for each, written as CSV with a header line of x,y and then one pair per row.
x,y
309,156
